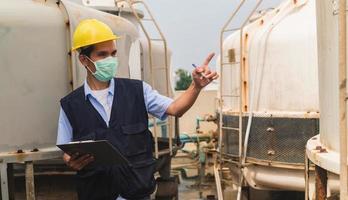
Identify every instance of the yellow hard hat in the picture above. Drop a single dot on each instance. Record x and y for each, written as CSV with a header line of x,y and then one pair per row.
x,y
91,31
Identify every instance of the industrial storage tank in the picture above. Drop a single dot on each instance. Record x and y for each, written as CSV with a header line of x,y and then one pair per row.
x,y
324,149
38,69
276,92
328,82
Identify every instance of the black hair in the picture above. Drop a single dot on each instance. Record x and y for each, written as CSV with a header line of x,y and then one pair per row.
x,y
87,50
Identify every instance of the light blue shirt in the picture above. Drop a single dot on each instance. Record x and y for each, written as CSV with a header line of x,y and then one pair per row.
x,y
155,103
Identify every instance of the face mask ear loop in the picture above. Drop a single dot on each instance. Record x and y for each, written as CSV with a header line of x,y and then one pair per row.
x,y
87,66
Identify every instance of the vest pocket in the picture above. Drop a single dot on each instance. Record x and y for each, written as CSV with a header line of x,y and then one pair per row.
x,y
136,137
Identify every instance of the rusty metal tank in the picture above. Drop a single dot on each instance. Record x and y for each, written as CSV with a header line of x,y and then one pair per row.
x,y
279,92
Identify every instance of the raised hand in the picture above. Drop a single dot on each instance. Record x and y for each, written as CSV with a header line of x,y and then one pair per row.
x,y
202,75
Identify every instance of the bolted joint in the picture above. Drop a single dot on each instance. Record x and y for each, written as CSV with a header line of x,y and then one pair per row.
x,y
270,129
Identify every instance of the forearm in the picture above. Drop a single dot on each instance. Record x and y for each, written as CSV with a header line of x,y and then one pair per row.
x,y
184,102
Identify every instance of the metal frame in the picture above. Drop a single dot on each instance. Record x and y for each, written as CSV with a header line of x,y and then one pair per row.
x,y
242,74
343,98
242,96
29,180
27,158
162,39
224,30
4,181
217,181
322,162
307,165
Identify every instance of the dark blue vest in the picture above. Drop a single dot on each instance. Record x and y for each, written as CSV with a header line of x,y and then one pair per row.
x,y
127,131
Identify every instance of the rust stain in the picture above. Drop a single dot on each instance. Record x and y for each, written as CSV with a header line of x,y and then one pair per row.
x,y
318,148
323,150
261,22
343,84
320,183
20,155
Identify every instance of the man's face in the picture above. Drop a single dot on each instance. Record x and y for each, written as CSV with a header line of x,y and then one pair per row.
x,y
101,50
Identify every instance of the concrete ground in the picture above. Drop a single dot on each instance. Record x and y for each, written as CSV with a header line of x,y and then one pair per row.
x,y
58,187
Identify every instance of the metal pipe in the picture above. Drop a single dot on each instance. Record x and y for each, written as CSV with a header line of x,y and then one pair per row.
x,y
218,183
170,133
306,177
216,173
29,180
221,73
342,98
320,183
177,132
4,181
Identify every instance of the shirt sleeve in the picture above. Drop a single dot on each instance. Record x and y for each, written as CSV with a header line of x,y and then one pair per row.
x,y
64,129
156,104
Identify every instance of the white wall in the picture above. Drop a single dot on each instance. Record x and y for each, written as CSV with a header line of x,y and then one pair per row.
x,y
205,104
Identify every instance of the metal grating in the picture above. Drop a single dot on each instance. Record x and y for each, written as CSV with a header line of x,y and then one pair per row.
x,y
273,139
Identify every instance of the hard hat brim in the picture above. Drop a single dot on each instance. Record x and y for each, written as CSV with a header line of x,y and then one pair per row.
x,y
114,37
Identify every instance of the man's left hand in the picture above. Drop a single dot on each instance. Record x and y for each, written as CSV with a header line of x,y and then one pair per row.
x,y
202,75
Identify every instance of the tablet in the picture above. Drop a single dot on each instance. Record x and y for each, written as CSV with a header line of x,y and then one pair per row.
x,y
103,152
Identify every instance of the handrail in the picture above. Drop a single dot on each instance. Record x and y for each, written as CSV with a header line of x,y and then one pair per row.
x,y
241,96
131,4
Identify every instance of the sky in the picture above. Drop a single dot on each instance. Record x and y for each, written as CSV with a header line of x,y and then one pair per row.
x,y
192,27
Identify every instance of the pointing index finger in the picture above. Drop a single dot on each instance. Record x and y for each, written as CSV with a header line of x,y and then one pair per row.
x,y
208,59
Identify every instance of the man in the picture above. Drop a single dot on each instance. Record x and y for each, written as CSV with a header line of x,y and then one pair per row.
x,y
116,110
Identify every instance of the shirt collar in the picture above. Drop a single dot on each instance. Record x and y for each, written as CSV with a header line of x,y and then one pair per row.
x,y
88,90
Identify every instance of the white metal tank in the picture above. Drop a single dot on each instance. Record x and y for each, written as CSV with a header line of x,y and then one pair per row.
x,y
281,58
329,138
38,69
279,88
